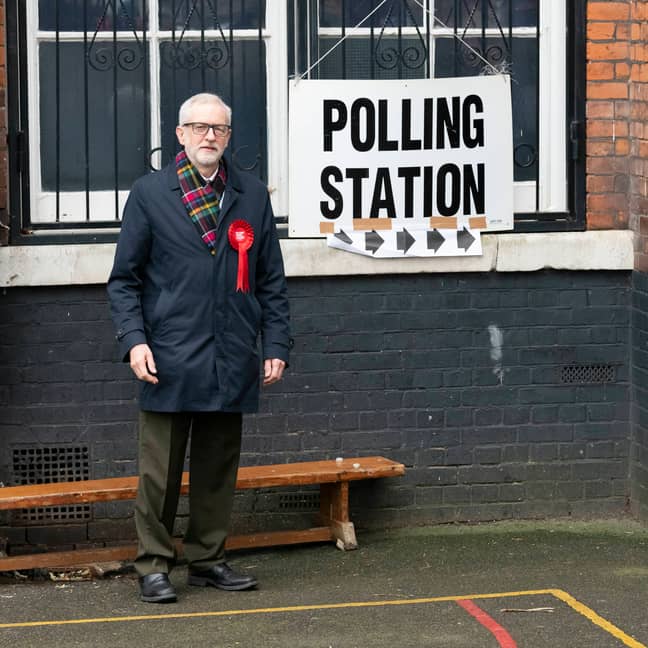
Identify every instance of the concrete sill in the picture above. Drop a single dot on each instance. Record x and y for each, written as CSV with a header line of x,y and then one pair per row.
x,y
61,265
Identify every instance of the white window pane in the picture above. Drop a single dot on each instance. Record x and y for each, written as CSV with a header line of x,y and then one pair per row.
x,y
384,57
92,15
470,14
111,138
335,13
237,74
181,15
452,58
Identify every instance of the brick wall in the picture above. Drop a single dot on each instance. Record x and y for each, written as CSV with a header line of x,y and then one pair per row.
x,y
639,222
638,171
403,366
417,380
609,47
639,448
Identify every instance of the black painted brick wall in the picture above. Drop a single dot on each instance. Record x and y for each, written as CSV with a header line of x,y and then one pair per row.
x,y
639,450
403,366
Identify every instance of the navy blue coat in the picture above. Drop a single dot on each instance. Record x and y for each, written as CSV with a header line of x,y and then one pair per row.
x,y
167,289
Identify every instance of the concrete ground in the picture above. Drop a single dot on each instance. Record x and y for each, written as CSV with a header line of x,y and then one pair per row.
x,y
532,584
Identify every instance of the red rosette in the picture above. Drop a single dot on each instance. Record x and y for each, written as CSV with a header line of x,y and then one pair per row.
x,y
241,237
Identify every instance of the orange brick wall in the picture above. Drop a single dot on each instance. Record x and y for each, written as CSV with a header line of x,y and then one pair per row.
x,y
638,124
617,119
608,109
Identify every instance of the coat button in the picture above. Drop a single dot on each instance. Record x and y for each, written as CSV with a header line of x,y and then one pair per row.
x,y
213,252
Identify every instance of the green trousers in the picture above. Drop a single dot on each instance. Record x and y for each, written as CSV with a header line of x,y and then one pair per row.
x,y
213,457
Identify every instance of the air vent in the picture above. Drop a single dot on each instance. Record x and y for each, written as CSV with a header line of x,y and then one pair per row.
x,y
588,374
299,502
51,464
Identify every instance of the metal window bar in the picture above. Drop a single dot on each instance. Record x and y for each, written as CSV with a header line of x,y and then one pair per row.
x,y
537,102
86,112
57,109
420,30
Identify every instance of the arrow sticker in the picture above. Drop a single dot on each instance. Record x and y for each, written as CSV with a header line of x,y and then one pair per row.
x,y
344,237
373,241
435,240
465,239
408,242
404,240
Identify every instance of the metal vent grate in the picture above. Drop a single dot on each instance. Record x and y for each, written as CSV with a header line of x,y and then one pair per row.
x,y
588,374
46,465
299,501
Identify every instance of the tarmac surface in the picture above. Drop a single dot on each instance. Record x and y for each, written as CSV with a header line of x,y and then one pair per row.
x,y
562,584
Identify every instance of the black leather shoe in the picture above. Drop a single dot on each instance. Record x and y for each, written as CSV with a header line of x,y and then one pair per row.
x,y
223,577
156,588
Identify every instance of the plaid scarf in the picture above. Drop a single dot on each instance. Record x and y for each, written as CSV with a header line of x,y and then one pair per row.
x,y
201,200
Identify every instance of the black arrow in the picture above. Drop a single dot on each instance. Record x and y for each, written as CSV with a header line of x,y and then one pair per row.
x,y
373,241
404,240
344,237
465,239
435,240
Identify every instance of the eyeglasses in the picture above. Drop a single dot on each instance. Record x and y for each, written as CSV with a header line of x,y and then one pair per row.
x,y
198,128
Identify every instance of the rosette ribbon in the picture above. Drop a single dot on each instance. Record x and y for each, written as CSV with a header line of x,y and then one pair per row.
x,y
241,237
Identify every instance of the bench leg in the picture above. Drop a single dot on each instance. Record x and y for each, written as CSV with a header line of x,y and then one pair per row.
x,y
334,513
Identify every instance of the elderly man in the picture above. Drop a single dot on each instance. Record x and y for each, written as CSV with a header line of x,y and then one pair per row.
x,y
197,275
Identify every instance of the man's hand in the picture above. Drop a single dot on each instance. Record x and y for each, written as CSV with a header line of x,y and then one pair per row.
x,y
142,363
272,370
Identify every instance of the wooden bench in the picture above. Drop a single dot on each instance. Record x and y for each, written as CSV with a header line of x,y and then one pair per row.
x,y
333,519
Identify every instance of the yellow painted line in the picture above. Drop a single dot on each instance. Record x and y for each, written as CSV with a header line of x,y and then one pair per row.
x,y
560,594
294,608
597,619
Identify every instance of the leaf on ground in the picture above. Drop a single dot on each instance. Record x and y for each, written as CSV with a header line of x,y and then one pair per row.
x,y
71,575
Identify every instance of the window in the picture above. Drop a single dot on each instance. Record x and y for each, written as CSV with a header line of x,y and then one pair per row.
x,y
443,38
95,85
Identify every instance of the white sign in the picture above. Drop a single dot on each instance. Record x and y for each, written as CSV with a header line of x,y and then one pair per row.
x,y
417,162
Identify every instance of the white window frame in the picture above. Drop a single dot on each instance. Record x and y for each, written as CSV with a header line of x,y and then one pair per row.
x,y
552,192
552,89
102,203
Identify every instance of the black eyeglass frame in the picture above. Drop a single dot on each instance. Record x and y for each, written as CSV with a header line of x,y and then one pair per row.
x,y
220,130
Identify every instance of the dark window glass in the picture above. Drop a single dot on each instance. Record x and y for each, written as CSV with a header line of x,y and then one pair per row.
x,y
112,108
93,15
378,58
335,13
181,15
237,75
454,59
470,14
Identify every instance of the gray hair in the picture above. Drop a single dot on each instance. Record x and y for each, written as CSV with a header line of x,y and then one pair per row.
x,y
202,98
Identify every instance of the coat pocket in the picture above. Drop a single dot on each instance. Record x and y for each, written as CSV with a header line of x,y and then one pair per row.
x,y
246,318
243,370
161,310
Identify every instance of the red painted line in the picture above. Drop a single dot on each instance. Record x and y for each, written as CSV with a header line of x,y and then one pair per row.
x,y
504,639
